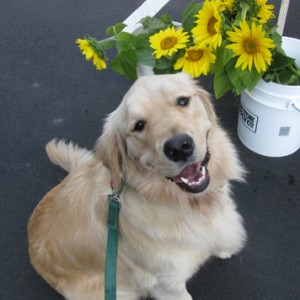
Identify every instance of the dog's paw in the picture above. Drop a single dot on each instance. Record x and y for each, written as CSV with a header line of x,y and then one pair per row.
x,y
224,255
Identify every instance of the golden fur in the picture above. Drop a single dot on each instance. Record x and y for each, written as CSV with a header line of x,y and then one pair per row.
x,y
166,233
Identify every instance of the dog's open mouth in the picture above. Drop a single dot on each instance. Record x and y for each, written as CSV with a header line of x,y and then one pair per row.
x,y
194,178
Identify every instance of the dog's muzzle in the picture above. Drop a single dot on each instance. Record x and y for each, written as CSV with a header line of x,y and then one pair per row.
x,y
194,178
179,147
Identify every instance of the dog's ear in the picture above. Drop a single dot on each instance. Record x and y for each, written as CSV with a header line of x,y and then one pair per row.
x,y
110,148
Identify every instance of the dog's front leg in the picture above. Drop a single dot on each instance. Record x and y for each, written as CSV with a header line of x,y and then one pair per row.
x,y
163,293
231,235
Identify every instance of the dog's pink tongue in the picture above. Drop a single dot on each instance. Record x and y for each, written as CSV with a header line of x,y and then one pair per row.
x,y
190,173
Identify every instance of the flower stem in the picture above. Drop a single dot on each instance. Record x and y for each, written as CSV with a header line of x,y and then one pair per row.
x,y
295,70
107,43
245,8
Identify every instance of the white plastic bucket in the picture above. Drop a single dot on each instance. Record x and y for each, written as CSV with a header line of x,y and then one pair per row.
x,y
269,116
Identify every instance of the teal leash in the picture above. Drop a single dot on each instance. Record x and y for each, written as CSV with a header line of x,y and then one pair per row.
x,y
114,206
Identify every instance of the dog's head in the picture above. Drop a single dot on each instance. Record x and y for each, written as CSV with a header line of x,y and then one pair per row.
x,y
162,128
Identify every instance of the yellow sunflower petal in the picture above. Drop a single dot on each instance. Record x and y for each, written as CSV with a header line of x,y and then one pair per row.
x,y
266,11
196,61
92,52
208,30
167,42
251,46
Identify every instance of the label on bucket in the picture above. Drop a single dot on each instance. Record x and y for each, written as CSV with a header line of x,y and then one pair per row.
x,y
248,118
284,131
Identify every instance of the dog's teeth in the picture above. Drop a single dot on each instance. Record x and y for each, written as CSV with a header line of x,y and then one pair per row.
x,y
184,180
203,171
198,181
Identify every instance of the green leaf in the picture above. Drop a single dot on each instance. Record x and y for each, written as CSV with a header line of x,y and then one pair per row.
x,y
281,61
125,41
286,77
144,56
116,29
169,70
163,66
125,64
163,63
296,81
188,19
270,76
223,57
234,77
143,50
107,43
248,78
153,25
166,19
277,38
222,84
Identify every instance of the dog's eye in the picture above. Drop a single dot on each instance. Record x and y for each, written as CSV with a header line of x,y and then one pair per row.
x,y
139,125
183,101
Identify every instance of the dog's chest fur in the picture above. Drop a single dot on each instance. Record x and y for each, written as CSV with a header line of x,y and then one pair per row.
x,y
176,237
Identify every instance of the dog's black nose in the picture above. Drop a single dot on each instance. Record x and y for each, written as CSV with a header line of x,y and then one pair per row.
x,y
179,147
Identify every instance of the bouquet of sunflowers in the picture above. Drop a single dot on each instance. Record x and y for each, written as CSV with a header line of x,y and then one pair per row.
x,y
233,40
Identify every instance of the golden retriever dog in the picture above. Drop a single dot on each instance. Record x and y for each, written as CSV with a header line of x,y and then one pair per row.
x,y
165,141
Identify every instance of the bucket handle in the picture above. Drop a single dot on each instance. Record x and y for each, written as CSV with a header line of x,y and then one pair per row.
x,y
294,105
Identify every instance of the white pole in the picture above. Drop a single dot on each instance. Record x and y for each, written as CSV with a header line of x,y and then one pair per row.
x,y
284,7
148,8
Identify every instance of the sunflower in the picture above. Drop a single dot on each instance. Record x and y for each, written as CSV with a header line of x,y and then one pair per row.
x,y
167,42
89,48
251,46
196,61
208,30
228,3
265,11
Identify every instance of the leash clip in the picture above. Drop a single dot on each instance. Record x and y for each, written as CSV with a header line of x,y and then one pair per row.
x,y
114,197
